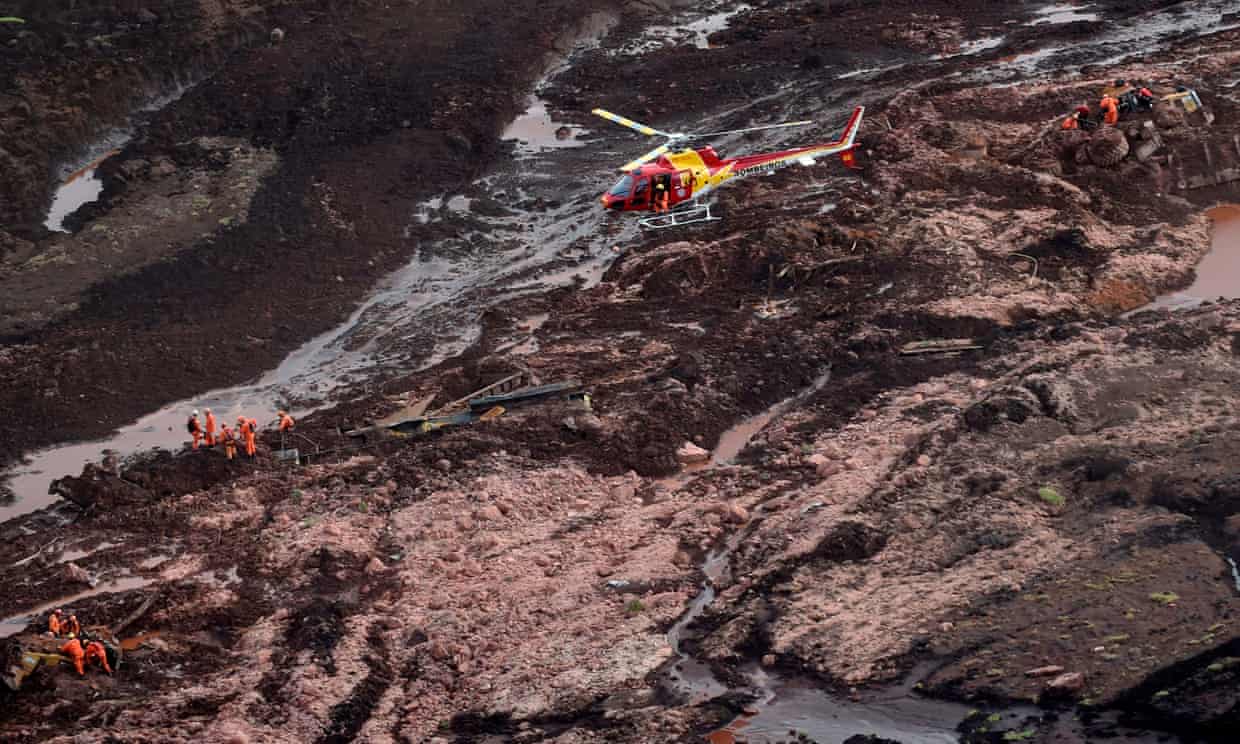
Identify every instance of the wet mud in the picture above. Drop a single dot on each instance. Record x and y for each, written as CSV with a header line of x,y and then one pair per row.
x,y
1030,536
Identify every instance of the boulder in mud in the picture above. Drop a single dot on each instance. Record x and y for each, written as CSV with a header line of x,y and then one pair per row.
x,y
1167,115
691,454
1066,684
76,574
1107,147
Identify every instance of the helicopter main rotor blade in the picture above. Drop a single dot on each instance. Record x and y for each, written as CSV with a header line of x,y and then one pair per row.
x,y
697,135
656,152
635,126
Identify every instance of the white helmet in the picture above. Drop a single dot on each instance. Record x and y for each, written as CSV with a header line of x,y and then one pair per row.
x,y
208,410
194,412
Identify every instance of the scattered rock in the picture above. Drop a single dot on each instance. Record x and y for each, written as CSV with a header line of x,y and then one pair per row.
x,y
443,465
1107,147
277,35
768,660
689,454
1045,671
1067,683
923,461
490,513
146,15
78,575
736,514
375,566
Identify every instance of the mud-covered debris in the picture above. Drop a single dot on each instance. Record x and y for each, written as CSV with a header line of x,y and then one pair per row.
x,y
1107,147
1045,671
1065,684
691,454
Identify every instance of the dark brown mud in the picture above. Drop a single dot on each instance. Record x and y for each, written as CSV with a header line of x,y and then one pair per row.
x,y
1043,520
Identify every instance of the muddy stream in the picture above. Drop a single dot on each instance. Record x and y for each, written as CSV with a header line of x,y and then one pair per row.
x,y
788,704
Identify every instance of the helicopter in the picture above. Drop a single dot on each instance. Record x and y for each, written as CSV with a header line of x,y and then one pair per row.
x,y
689,174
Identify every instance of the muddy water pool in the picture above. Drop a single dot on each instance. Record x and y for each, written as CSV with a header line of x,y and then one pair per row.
x,y
1218,274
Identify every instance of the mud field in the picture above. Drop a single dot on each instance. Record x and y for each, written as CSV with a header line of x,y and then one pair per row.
x,y
1028,536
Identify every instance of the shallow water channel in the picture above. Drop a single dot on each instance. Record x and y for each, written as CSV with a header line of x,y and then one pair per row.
x,y
788,704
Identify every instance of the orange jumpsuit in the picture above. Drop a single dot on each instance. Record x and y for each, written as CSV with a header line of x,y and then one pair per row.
x,y
95,650
1110,110
71,626
1071,123
73,649
286,422
195,430
661,198
248,430
210,429
53,624
229,441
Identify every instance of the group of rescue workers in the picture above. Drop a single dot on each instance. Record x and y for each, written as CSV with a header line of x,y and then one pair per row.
x,y
1119,99
79,647
204,432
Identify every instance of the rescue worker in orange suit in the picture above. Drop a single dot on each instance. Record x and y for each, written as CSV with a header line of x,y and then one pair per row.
x,y
54,625
95,650
246,427
1110,110
71,626
210,427
73,649
229,441
1145,99
661,197
194,427
286,422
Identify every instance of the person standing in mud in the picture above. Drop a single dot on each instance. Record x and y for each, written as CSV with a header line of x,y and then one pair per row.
x,y
246,428
53,623
210,427
229,440
194,427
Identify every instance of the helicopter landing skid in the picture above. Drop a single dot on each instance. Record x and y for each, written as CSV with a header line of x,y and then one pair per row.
x,y
687,215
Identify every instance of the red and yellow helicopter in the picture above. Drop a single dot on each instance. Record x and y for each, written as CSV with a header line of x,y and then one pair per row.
x,y
687,175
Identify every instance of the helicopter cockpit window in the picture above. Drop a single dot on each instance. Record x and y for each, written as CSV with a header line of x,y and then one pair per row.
x,y
622,187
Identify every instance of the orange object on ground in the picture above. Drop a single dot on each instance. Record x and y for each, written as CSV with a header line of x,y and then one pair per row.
x,y
210,428
95,650
286,421
1071,123
73,649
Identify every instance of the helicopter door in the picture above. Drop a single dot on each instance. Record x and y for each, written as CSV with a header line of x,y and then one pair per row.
x,y
641,195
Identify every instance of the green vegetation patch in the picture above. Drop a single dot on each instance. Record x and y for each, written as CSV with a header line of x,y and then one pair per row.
x,y
1051,496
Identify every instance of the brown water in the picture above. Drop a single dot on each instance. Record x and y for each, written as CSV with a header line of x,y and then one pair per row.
x,y
1218,274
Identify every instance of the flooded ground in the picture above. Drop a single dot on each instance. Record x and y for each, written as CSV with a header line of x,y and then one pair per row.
x,y
1218,274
